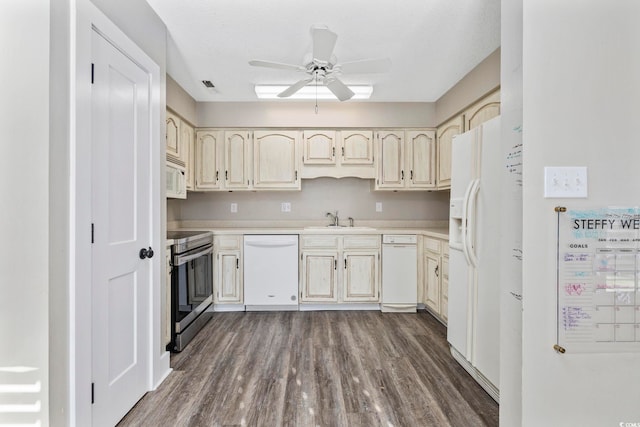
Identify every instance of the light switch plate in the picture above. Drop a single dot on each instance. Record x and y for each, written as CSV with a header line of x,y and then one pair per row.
x,y
378,206
234,207
285,207
565,182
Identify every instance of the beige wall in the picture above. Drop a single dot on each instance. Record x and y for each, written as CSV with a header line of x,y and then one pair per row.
x,y
350,196
302,114
484,78
181,102
581,64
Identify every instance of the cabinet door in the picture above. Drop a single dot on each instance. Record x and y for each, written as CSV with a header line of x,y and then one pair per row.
x,y
187,137
485,109
229,277
319,147
444,138
357,147
319,276
173,137
361,279
237,149
275,163
390,159
444,290
207,175
420,159
432,285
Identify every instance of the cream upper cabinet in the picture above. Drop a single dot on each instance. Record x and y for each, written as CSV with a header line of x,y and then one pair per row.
x,y
275,159
319,147
187,136
174,150
237,159
483,110
337,154
356,147
228,284
420,159
390,159
207,173
444,138
406,159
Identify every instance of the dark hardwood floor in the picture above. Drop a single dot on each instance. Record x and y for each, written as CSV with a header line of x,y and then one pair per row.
x,y
323,368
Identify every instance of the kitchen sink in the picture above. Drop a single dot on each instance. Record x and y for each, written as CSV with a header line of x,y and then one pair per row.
x,y
336,227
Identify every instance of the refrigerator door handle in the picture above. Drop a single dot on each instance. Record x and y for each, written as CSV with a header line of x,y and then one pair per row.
x,y
465,217
473,195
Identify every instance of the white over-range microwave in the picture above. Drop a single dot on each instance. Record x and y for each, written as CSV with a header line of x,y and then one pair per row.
x,y
176,181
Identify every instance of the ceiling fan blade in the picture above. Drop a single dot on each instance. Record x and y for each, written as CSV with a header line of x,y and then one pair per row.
x,y
339,89
278,65
366,66
294,88
323,43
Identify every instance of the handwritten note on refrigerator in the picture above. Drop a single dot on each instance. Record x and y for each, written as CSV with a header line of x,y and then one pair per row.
x,y
599,279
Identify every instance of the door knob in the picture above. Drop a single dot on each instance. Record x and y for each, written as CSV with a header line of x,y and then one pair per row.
x,y
146,253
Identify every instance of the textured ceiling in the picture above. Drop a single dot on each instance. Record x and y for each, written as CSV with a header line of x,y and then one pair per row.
x,y
432,44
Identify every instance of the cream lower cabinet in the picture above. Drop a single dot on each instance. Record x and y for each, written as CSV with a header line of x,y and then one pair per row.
x,y
435,264
228,283
319,276
339,269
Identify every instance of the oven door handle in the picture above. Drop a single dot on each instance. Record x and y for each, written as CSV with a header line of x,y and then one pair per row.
x,y
182,259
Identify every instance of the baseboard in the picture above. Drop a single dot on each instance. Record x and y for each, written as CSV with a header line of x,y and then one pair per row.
x,y
477,375
338,307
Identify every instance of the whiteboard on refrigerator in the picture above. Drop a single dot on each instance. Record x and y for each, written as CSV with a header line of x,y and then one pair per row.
x,y
599,279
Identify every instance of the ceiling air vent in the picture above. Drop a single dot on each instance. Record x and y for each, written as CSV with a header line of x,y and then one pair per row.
x,y
208,84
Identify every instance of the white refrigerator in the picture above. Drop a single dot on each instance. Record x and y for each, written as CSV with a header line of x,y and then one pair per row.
x,y
473,328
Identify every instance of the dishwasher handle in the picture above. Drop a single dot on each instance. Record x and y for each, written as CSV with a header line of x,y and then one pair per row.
x,y
271,244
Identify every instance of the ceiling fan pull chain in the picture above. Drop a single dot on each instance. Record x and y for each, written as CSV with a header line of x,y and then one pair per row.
x,y
316,92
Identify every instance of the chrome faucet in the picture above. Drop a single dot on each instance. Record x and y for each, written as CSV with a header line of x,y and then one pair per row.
x,y
334,218
350,222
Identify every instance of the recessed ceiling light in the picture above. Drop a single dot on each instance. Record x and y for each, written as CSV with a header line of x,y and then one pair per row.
x,y
309,92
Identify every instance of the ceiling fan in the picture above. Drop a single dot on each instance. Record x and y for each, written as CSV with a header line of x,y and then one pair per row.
x,y
322,65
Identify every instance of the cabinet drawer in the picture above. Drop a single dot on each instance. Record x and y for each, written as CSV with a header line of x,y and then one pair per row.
x,y
445,249
228,242
357,242
432,245
313,241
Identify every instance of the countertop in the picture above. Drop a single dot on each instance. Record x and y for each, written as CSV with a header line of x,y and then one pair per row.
x,y
435,229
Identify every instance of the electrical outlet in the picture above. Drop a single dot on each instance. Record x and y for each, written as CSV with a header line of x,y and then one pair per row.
x,y
565,182
285,207
234,207
378,206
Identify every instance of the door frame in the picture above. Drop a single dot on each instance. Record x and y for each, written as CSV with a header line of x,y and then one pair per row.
x,y
88,18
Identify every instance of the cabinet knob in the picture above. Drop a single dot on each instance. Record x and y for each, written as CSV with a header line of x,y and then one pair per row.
x,y
436,271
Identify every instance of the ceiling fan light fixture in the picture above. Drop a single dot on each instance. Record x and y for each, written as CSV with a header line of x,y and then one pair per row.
x,y
309,92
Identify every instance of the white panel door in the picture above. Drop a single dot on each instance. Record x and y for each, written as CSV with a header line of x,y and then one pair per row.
x,y
121,197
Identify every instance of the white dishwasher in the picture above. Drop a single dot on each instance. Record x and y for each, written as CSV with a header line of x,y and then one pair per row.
x,y
399,273
270,272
